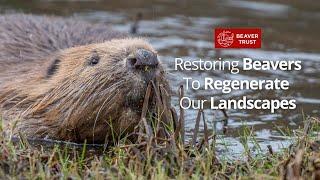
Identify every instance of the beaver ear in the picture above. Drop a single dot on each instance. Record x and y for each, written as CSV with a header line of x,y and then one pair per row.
x,y
53,67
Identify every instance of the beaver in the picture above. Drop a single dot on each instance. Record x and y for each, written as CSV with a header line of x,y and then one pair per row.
x,y
67,79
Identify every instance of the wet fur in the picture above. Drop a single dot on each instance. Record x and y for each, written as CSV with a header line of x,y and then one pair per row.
x,y
49,86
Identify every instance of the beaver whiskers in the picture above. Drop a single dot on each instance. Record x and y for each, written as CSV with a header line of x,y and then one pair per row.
x,y
73,89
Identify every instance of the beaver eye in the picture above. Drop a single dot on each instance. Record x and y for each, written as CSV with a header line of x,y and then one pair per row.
x,y
94,60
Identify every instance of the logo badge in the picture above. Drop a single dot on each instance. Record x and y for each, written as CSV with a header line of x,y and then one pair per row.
x,y
225,38
237,37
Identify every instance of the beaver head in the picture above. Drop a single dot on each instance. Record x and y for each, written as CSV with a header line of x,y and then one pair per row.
x,y
92,92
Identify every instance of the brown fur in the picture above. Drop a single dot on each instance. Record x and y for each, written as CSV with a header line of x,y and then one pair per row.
x,y
47,84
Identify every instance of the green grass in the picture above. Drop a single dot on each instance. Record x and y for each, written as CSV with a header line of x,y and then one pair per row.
x,y
162,161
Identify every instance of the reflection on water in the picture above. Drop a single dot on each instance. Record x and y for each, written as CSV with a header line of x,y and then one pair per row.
x,y
184,29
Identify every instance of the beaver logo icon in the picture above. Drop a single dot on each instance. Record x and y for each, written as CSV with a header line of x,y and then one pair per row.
x,y
225,38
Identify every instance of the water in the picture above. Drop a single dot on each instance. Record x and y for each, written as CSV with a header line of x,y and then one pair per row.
x,y
184,29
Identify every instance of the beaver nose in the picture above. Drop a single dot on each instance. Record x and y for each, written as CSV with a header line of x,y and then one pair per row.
x,y
143,58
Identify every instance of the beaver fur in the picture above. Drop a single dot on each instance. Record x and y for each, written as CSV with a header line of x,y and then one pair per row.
x,y
50,83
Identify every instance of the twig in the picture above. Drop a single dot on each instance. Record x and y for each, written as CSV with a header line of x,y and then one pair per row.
x,y
225,113
205,128
143,122
181,118
196,129
270,149
135,25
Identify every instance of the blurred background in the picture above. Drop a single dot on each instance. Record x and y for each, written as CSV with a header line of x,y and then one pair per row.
x,y
184,28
